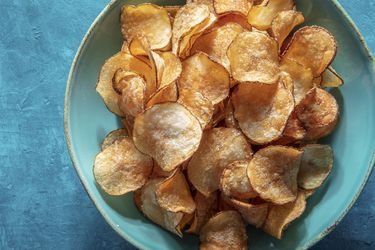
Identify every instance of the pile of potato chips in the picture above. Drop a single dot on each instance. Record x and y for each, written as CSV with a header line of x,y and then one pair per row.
x,y
222,105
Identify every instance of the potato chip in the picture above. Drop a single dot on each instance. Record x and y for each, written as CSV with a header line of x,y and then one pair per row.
x,y
158,172
330,78
209,3
231,17
262,110
201,74
273,173
173,194
293,132
261,16
218,116
121,168
172,69
318,112
313,47
186,221
226,230
104,86
253,57
172,10
302,78
225,6
168,93
230,121
169,133
219,147
114,136
154,212
283,23
121,79
225,203
216,42
279,217
235,183
254,214
316,164
198,105
147,20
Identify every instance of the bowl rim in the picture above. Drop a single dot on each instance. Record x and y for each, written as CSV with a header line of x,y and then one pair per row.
x,y
123,234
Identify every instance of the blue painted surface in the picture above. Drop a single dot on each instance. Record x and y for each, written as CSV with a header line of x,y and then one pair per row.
x,y
42,203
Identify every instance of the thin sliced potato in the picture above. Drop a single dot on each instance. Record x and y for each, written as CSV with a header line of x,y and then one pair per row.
x,y
253,214
226,230
219,147
330,78
121,168
225,6
293,132
273,173
232,17
167,94
173,194
262,110
147,20
114,136
172,69
313,47
235,183
169,133
254,57
121,79
316,164
279,217
209,3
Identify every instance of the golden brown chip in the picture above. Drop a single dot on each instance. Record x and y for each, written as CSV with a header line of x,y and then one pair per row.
x,y
121,168
169,133
279,217
172,69
218,116
167,94
316,164
235,183
198,105
284,23
262,110
230,121
232,17
219,147
313,47
253,57
318,112
293,132
330,78
216,42
114,136
147,20
273,173
173,194
154,212
226,230
224,6
261,16
121,79
104,86
209,3
254,214
201,74
158,172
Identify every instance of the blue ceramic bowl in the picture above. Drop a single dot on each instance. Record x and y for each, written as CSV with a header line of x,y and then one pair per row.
x,y
87,121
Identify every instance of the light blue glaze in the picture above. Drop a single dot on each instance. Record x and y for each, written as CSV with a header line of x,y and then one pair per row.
x,y
88,121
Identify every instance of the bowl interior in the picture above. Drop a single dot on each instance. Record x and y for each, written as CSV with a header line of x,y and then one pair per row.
x,y
88,121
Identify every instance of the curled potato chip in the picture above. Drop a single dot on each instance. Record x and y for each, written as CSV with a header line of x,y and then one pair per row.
x,y
330,78
168,93
105,84
172,69
154,212
147,20
313,47
273,173
230,121
216,42
219,147
262,110
201,74
318,112
224,6
279,217
254,214
114,136
283,23
121,168
316,164
173,194
235,183
226,230
198,105
253,57
261,16
302,78
121,79
169,133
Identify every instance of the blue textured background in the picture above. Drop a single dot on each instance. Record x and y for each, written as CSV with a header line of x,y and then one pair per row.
x,y
42,203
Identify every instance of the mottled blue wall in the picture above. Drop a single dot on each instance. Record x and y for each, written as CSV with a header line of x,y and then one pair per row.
x,y
42,203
